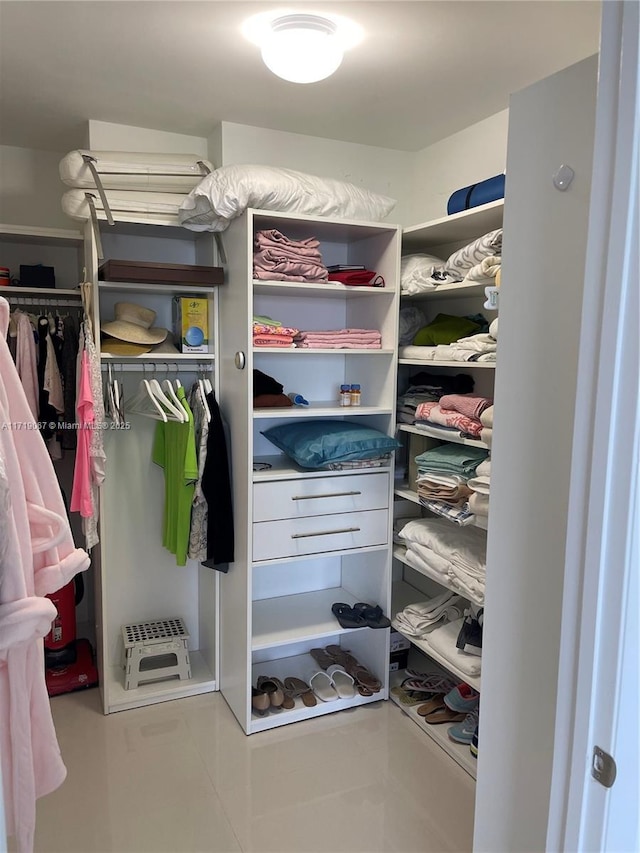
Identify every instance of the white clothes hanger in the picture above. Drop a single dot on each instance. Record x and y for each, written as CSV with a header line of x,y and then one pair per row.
x,y
171,393
145,403
176,412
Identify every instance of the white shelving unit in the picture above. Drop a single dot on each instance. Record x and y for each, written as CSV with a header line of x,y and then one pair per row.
x,y
440,238
276,599
138,579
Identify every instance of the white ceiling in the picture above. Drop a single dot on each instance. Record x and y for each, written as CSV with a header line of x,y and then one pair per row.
x,y
423,71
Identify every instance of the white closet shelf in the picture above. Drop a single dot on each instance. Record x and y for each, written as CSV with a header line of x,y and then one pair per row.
x,y
282,468
159,358
324,409
300,666
294,618
330,290
466,225
458,751
162,289
48,292
403,491
41,236
307,351
150,693
461,365
305,557
452,437
403,594
451,291
400,553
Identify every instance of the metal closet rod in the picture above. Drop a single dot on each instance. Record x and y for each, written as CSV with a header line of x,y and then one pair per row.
x,y
162,367
43,302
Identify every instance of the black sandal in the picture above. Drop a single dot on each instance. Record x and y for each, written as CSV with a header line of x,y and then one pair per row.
x,y
371,615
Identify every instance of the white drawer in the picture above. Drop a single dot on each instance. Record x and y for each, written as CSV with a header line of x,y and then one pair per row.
x,y
318,534
319,496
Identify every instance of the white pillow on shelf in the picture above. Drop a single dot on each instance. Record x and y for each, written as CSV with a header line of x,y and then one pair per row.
x,y
227,192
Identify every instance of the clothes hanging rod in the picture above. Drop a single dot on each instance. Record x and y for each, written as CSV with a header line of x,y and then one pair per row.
x,y
160,368
45,302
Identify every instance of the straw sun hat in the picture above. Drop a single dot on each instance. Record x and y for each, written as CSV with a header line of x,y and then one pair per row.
x,y
133,325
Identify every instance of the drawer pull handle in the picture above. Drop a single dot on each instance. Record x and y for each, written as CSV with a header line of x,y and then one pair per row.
x,y
325,533
329,495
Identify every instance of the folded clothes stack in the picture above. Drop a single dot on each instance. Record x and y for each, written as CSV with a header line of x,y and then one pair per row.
x,y
422,617
475,262
430,388
277,258
271,333
486,419
456,556
339,339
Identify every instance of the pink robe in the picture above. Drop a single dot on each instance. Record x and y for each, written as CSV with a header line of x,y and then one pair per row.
x,y
37,557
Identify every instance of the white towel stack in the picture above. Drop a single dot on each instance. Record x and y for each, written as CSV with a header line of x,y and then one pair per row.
x,y
420,618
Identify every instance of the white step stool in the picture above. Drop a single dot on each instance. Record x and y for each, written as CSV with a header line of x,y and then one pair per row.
x,y
155,651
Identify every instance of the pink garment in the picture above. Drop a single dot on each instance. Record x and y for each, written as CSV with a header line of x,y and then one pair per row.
x,y
81,500
263,329
344,344
37,557
433,413
270,263
466,404
273,341
273,239
26,360
373,333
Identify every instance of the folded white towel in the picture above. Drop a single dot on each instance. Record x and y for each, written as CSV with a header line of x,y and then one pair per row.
x,y
443,641
486,270
484,469
479,504
425,560
468,587
462,546
486,417
479,484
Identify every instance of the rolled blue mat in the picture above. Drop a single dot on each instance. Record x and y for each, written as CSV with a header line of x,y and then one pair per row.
x,y
473,196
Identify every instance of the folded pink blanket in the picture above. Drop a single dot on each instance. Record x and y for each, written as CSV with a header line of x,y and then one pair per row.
x,y
275,239
263,329
270,263
343,332
343,344
272,341
433,413
466,404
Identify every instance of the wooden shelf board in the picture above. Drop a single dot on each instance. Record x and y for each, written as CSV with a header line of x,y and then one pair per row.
x,y
460,365
330,290
466,225
325,409
150,693
460,753
431,432
450,291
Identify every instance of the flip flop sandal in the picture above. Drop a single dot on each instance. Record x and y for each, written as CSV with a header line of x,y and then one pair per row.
x,y
339,655
406,697
268,685
342,681
362,690
431,706
419,686
371,615
322,658
288,701
443,715
298,687
347,616
362,675
323,687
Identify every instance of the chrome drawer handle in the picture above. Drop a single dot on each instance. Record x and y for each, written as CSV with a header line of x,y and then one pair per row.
x,y
325,533
329,495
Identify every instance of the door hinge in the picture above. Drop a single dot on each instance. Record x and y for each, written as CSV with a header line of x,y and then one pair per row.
x,y
603,767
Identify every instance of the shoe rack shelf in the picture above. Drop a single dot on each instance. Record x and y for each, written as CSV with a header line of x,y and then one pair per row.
x,y
439,238
294,562
460,752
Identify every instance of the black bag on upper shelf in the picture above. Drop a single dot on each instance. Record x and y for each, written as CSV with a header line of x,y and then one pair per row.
x,y
37,275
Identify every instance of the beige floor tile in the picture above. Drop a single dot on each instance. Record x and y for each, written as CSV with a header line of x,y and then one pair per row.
x,y
182,776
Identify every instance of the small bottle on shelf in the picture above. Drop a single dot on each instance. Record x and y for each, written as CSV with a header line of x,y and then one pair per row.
x,y
355,395
345,395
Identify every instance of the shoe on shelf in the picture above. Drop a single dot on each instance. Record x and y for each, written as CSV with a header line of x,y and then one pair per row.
x,y
260,701
297,687
342,681
323,686
463,699
347,616
429,683
269,686
463,732
470,635
473,746
372,615
288,701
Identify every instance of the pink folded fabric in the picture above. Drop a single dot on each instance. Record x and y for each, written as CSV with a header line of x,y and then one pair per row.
x,y
433,413
273,341
268,265
342,332
336,345
273,239
263,329
466,404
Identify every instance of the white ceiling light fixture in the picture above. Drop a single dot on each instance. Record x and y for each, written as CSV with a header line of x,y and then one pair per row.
x,y
302,47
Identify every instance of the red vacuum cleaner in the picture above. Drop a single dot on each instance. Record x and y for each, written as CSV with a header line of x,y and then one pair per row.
x,y
69,663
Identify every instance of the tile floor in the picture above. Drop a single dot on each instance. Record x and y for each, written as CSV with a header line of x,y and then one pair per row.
x,y
181,776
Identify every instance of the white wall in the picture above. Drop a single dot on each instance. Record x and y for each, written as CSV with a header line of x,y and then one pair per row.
x,y
106,136
382,170
471,155
30,189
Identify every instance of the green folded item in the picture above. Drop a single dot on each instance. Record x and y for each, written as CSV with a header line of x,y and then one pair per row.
x,y
445,329
451,459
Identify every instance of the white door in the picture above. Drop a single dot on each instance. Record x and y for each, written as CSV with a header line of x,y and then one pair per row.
x,y
599,692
